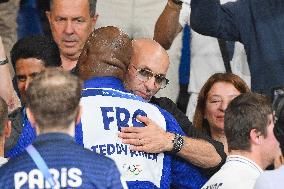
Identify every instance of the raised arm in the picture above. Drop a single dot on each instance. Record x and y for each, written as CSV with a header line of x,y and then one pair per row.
x,y
167,26
209,17
6,87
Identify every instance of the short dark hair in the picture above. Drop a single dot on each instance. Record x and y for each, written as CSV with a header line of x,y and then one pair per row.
x,y
246,112
92,6
53,98
39,47
3,114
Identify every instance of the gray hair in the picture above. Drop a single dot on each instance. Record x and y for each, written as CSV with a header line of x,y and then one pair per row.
x,y
92,6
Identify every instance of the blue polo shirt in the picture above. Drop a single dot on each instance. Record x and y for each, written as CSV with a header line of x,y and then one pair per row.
x,y
71,166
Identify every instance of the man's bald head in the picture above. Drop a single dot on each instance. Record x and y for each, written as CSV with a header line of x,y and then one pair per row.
x,y
150,50
107,52
148,55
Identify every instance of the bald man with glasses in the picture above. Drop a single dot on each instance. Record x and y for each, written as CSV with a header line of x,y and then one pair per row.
x,y
108,107
145,74
145,77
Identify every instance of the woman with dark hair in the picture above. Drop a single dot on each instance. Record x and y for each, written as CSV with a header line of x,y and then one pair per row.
x,y
213,99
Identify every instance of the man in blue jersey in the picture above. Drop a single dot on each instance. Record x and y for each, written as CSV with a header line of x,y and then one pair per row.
x,y
108,106
52,101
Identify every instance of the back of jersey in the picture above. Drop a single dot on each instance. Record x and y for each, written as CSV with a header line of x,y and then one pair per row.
x,y
105,111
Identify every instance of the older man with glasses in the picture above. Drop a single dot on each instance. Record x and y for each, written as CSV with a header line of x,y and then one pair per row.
x,y
108,108
144,74
145,77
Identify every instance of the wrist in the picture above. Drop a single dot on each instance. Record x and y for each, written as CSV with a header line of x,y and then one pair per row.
x,y
177,2
169,141
178,143
171,4
4,61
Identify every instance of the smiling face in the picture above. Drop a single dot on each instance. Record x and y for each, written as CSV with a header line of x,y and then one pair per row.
x,y
218,98
71,24
26,70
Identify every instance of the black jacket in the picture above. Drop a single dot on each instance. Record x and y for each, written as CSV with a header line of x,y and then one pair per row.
x,y
191,131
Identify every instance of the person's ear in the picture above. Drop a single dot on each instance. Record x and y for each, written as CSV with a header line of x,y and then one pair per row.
x,y
256,137
94,20
78,116
32,120
7,129
47,13
31,117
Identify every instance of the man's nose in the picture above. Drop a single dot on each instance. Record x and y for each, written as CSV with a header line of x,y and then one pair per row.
x,y
69,29
29,79
150,84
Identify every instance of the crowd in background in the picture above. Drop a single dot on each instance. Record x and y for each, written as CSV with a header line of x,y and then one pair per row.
x,y
141,94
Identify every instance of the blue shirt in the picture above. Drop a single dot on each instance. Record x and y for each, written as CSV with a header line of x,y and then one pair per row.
x,y
70,164
258,24
27,136
107,107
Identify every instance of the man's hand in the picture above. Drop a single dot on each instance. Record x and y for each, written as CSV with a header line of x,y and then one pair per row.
x,y
150,139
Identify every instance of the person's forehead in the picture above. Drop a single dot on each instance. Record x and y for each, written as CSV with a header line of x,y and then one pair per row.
x,y
70,8
153,62
29,63
222,89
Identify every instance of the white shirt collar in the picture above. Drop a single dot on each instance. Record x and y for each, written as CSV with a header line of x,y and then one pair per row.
x,y
245,160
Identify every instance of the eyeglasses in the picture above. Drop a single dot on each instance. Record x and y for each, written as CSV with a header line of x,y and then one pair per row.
x,y
144,74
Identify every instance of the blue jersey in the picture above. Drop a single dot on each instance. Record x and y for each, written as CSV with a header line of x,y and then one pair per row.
x,y
27,136
107,107
71,166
